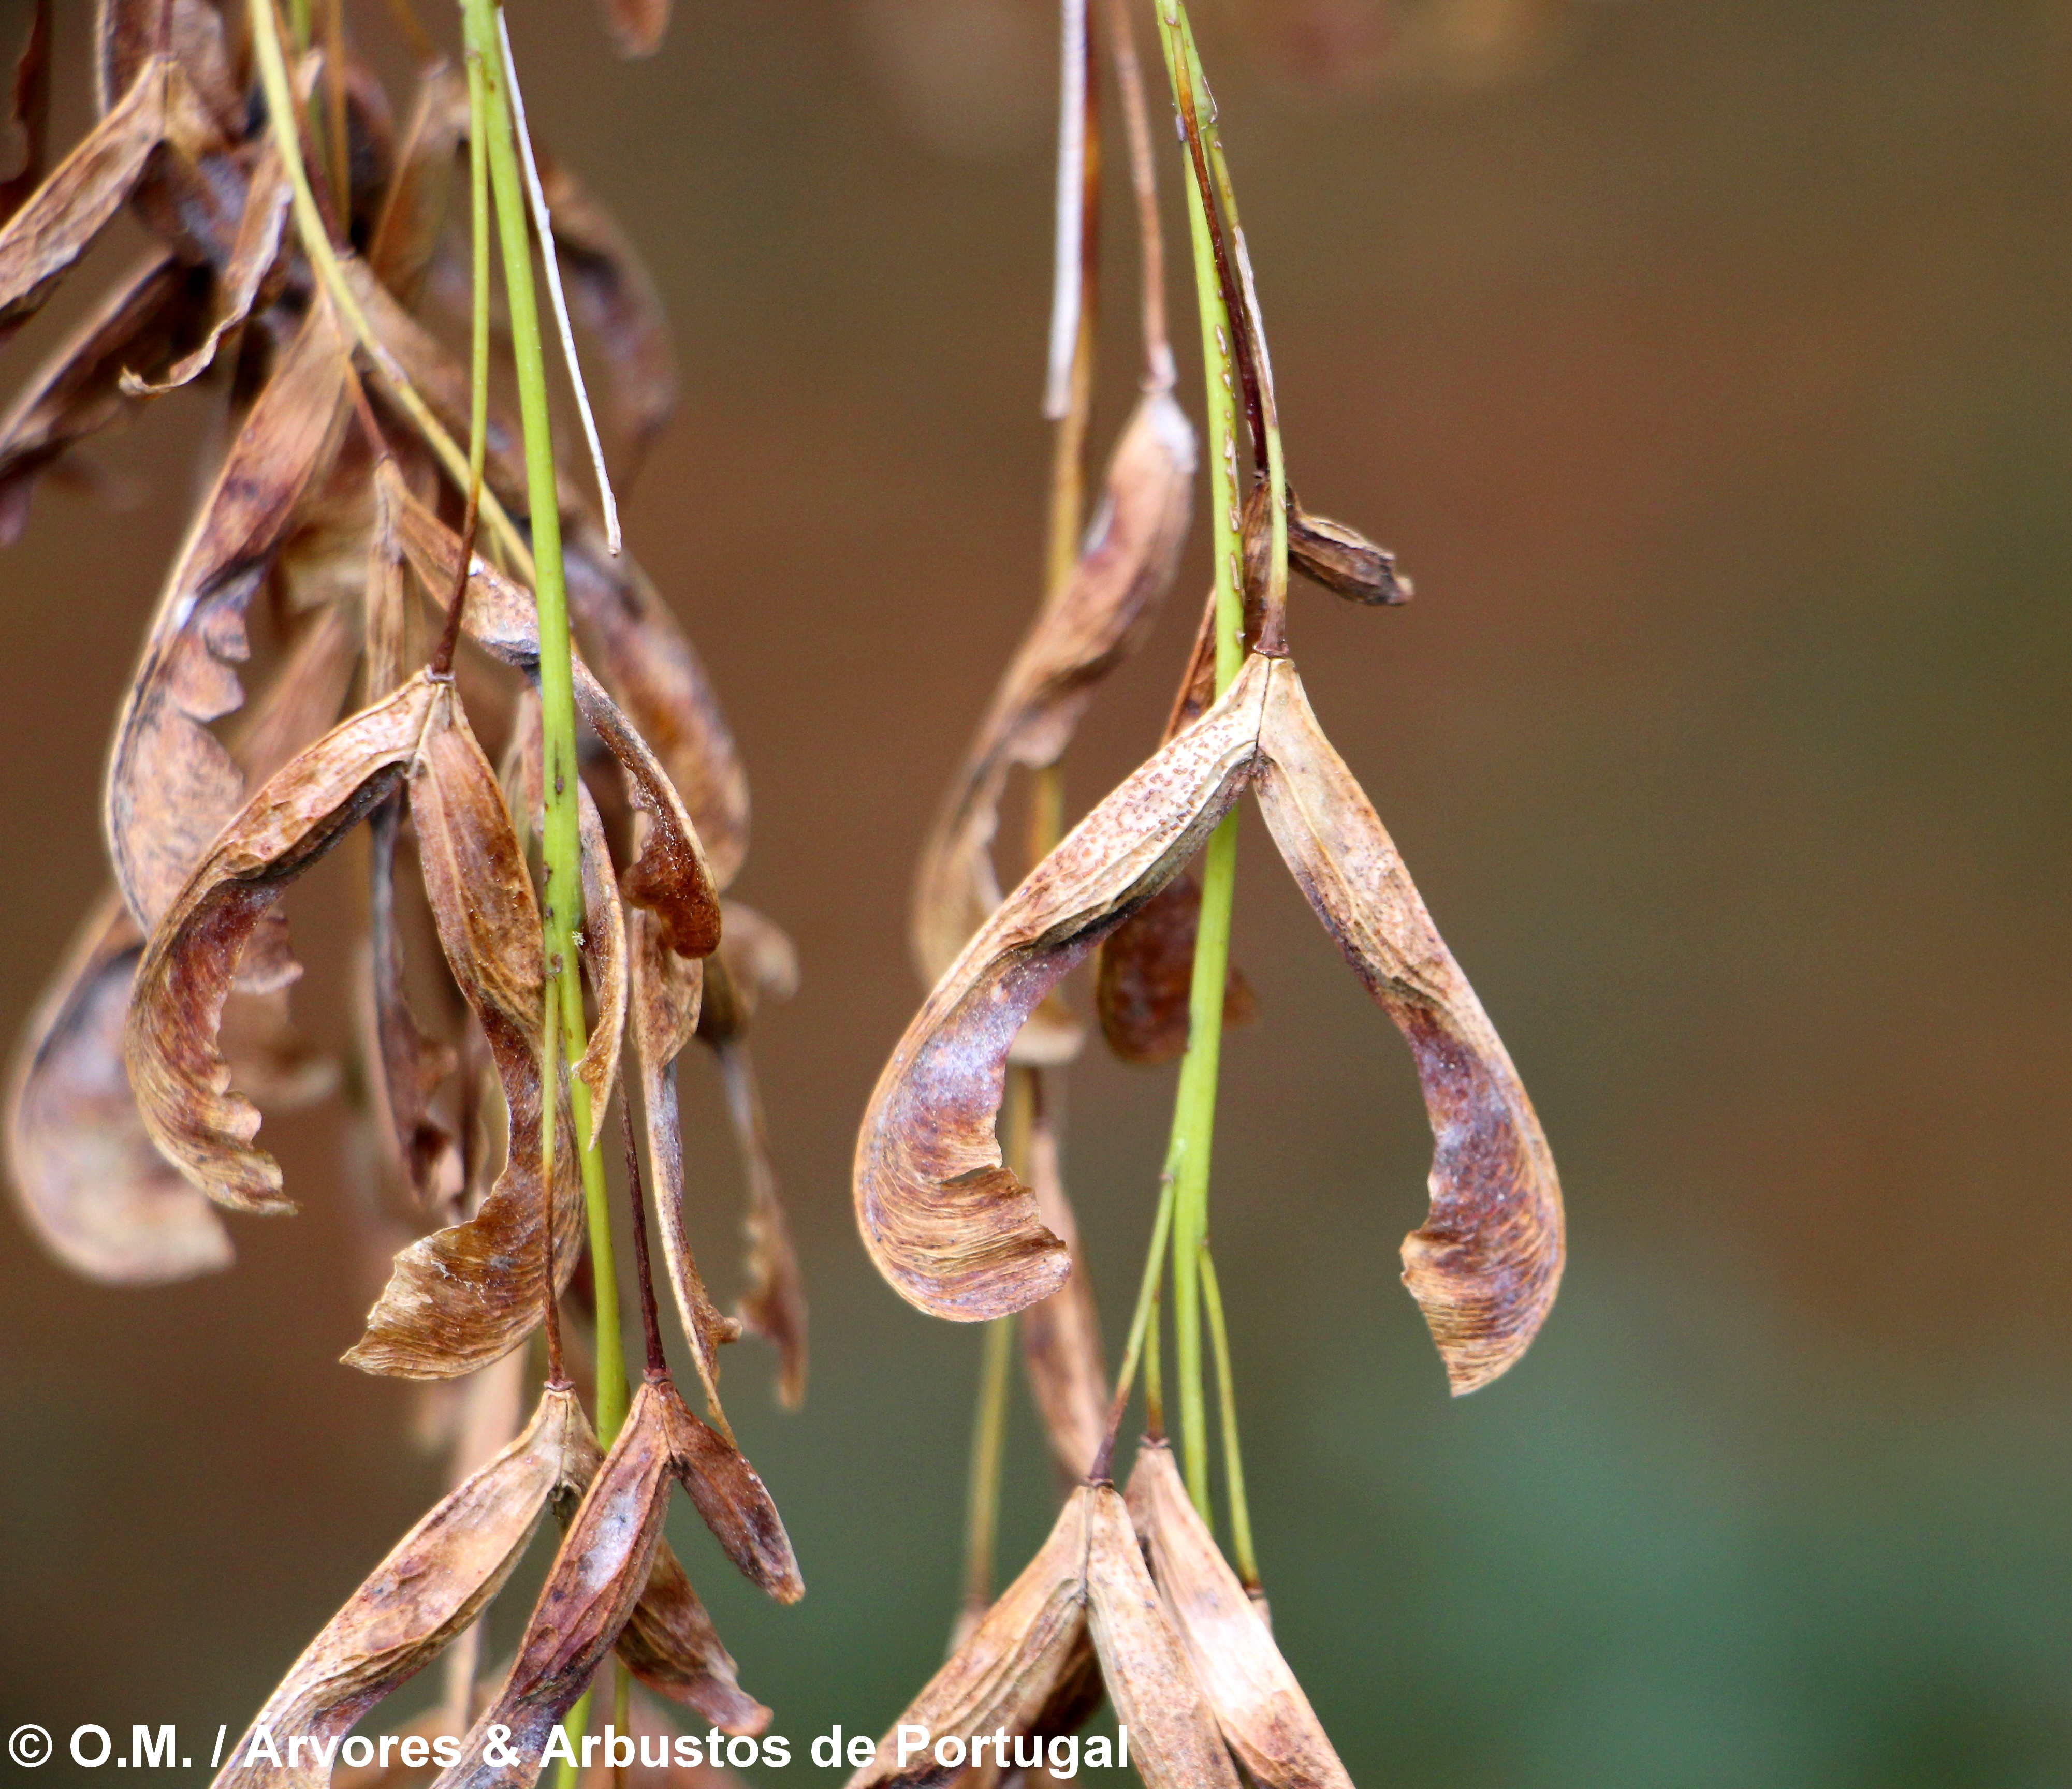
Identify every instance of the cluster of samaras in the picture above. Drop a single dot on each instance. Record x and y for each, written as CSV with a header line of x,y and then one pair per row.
x,y
329,520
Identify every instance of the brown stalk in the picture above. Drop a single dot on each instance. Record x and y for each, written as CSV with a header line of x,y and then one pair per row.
x,y
650,1327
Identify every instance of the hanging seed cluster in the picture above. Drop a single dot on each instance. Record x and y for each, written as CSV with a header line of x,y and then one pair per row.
x,y
960,1196
365,538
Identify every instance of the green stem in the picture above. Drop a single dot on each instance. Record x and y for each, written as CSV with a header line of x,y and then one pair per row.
x,y
989,1447
331,274
1248,1562
1143,1326
1195,1104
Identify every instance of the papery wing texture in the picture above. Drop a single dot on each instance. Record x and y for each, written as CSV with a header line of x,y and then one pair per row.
x,y
171,785
1264,1717
1009,1667
1486,1263
1124,569
955,1232
176,1065
597,1577
464,1296
1173,1741
438,1578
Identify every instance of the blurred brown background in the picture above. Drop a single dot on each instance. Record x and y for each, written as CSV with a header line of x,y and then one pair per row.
x,y
1709,365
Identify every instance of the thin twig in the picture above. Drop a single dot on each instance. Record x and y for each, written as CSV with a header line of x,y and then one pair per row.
x,y
1159,370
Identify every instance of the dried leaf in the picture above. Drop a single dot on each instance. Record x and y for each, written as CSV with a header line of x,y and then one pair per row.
x,y
413,212
1485,1266
438,1579
603,1567
63,215
1172,1739
1146,974
671,1645
953,1230
182,1081
1061,1344
1125,568
1264,1717
637,26
93,1188
171,785
150,314
670,876
1339,557
666,990
613,296
464,1296
1010,1667
253,254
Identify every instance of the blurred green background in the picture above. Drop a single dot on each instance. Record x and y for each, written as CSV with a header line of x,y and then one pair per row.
x,y
1708,363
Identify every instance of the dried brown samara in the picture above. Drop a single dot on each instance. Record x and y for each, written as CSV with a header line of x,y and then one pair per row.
x,y
1123,571
439,1577
603,1567
1264,1717
958,1236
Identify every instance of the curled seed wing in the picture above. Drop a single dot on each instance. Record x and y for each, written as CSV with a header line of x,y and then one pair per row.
x,y
466,1295
1061,1343
95,1190
42,240
171,785
438,1578
413,211
643,657
253,254
613,296
590,1594
1173,1741
671,875
667,991
1124,570
150,314
176,1066
637,26
1264,1717
952,1229
94,1185
730,1495
1485,1266
1010,1666
671,1645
